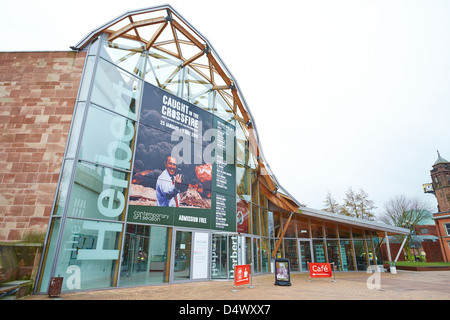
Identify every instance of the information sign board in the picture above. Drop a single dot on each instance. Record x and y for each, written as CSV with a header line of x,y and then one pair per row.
x,y
282,272
320,270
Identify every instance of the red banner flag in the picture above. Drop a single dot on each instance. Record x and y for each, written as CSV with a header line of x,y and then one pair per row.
x,y
242,275
320,270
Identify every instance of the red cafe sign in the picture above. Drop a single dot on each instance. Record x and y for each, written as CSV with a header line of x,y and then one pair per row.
x,y
320,270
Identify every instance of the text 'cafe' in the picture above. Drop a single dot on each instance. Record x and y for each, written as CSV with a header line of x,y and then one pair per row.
x,y
163,179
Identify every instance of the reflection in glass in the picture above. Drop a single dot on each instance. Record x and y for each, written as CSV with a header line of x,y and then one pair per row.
x,y
89,254
255,220
145,256
265,255
319,251
330,230
305,254
219,257
360,255
242,146
264,222
129,57
347,255
243,182
196,89
75,130
243,216
290,253
108,141
222,109
182,262
290,231
333,253
344,232
256,255
163,70
316,228
47,265
116,90
98,192
63,188
302,227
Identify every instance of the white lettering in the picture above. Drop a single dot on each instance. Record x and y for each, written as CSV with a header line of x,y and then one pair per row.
x,y
99,253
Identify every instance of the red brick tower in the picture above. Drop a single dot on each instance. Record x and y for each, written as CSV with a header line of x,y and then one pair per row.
x,y
440,176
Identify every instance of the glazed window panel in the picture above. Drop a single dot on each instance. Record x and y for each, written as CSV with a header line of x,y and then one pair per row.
x,y
116,90
344,232
75,130
277,229
319,251
255,186
47,266
89,254
291,253
346,249
255,220
357,233
87,78
145,258
63,188
316,228
302,227
98,192
196,89
330,230
108,141
163,70
222,109
290,231
243,182
264,222
243,216
130,57
242,145
360,255
333,253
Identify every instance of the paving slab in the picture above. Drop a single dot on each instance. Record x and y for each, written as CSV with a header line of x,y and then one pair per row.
x,y
405,285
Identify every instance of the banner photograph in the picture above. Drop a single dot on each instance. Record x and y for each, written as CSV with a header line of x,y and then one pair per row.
x,y
183,153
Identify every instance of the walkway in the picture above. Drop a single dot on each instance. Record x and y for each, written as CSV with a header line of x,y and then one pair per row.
x,y
405,285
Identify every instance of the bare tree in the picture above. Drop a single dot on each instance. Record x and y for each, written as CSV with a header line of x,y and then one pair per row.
x,y
402,211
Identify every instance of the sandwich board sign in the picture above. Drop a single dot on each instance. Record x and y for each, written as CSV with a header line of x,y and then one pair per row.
x,y
282,272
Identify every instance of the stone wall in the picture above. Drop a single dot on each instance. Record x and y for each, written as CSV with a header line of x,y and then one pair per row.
x,y
38,91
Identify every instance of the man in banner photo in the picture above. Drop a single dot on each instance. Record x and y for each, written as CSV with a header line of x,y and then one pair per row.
x,y
167,194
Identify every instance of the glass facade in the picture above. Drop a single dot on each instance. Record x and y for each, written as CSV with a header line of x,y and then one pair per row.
x,y
108,227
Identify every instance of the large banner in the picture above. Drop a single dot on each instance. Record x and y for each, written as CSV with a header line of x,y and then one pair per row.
x,y
184,173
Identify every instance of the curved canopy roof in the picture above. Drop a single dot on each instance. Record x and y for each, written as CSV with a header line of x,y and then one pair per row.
x,y
164,29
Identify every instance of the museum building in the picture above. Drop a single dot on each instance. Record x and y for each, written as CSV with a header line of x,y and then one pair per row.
x,y
133,159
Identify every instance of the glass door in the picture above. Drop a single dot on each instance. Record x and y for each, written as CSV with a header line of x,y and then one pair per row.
x,y
305,253
182,261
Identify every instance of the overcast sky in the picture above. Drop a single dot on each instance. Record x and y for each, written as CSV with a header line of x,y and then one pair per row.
x,y
344,93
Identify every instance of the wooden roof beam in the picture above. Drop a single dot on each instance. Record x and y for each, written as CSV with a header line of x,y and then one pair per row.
x,y
156,35
188,35
133,25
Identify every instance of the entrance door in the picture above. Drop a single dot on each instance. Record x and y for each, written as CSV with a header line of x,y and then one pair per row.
x,y
190,255
305,249
182,261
